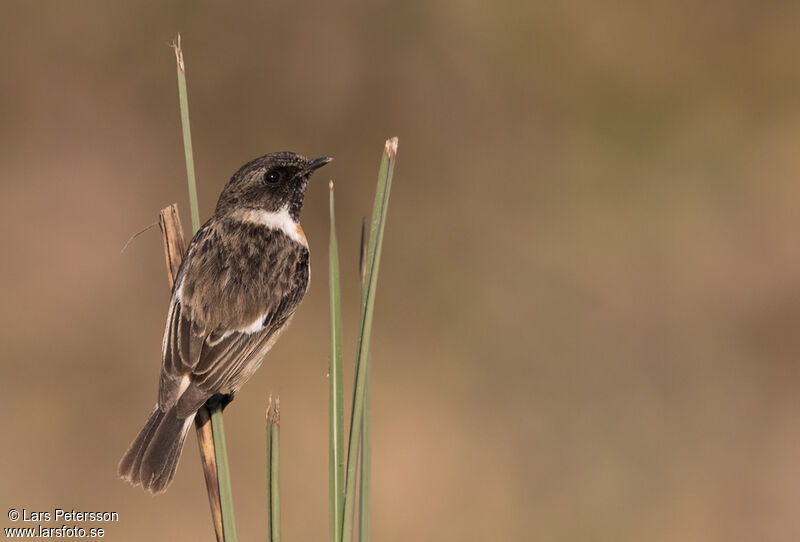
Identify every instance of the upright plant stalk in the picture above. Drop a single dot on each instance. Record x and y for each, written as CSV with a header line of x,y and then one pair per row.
x,y
225,492
187,134
365,332
336,453
365,466
269,468
214,405
273,469
365,455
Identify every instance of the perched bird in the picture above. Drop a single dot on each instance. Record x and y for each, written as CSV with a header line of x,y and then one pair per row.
x,y
244,274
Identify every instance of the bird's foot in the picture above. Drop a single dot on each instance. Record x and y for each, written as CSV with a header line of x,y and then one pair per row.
x,y
226,399
219,400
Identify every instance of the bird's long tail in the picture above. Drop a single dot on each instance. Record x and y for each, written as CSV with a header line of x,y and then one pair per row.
x,y
152,458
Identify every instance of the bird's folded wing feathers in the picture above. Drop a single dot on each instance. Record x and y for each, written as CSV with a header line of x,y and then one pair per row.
x,y
228,304
213,359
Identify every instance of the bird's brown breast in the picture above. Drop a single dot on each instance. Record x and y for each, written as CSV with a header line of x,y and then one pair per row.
x,y
240,271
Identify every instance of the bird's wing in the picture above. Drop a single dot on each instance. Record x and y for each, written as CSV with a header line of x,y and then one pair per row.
x,y
199,364
202,356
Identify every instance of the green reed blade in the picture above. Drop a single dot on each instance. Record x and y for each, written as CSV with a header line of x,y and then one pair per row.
x,y
336,440
367,310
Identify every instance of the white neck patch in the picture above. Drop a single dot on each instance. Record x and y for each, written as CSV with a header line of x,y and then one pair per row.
x,y
279,220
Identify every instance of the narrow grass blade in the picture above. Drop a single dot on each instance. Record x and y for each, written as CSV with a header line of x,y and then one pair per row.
x,y
274,464
269,469
367,310
336,464
225,492
187,134
365,453
365,466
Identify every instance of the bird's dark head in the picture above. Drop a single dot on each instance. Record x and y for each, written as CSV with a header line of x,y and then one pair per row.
x,y
270,183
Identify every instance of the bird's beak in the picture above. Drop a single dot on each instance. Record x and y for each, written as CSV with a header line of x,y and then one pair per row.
x,y
317,163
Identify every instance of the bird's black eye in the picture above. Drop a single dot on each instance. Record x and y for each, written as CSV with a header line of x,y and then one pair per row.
x,y
272,176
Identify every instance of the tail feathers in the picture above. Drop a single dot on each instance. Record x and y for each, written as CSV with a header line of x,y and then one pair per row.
x,y
152,458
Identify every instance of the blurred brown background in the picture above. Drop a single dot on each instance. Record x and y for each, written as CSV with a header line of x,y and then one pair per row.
x,y
587,319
